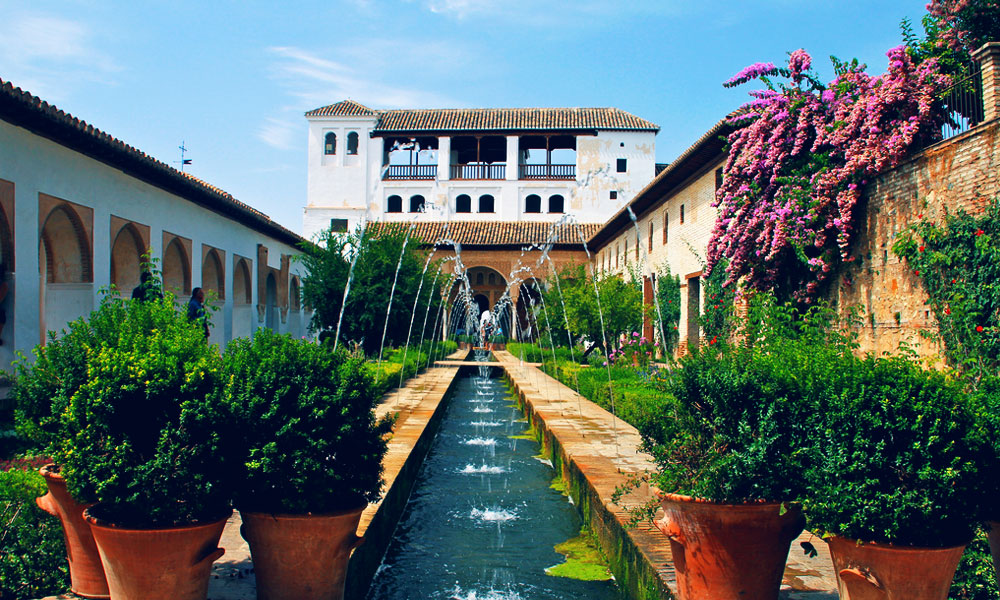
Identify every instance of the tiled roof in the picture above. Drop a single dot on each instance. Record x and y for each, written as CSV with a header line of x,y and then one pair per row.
x,y
492,233
491,119
344,108
34,114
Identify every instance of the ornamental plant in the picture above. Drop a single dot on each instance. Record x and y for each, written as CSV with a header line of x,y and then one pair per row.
x,y
138,430
33,556
899,456
800,157
668,297
305,437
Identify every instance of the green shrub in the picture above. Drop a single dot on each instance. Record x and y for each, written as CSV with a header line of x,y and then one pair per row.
x,y
305,437
900,458
32,552
136,429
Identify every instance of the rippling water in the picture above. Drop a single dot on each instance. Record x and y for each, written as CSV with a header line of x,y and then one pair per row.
x,y
482,520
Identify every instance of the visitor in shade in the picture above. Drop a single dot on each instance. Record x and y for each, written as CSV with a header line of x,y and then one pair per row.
x,y
196,309
147,288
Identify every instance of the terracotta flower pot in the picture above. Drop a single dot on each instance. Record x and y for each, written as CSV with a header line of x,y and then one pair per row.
x,y
158,564
301,556
994,538
728,550
869,571
85,571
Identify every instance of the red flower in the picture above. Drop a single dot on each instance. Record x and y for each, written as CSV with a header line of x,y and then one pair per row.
x,y
953,281
979,328
917,272
713,340
920,249
980,232
716,306
920,216
947,311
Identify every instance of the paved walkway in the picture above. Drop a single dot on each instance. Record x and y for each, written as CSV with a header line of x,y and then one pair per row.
x,y
605,450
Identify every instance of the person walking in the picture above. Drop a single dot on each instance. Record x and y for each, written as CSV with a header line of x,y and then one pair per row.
x,y
196,309
147,288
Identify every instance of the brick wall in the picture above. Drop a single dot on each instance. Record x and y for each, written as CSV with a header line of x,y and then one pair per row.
x,y
960,173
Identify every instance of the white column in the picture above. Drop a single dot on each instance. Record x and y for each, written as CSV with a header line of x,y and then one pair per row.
x,y
444,158
512,158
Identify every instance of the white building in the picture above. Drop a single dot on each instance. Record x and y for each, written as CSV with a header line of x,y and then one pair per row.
x,y
521,164
78,208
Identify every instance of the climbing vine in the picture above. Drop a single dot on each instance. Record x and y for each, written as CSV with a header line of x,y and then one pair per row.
x,y
958,262
668,297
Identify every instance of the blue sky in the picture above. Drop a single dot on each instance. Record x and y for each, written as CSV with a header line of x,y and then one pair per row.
x,y
231,78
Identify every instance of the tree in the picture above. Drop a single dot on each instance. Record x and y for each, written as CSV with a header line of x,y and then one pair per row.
x,y
377,252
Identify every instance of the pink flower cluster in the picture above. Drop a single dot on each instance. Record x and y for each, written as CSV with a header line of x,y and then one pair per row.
x,y
800,158
633,350
952,19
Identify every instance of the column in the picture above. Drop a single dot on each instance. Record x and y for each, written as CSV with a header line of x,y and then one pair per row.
x,y
444,159
988,58
512,158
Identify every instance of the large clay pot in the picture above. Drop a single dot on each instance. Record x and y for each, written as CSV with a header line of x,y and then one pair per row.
x,y
158,564
994,538
728,550
85,571
869,571
301,556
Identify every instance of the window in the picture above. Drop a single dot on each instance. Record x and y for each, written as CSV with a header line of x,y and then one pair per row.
x,y
352,142
718,178
622,165
650,235
330,147
416,203
463,204
493,279
533,204
556,204
395,204
682,214
486,203
479,279
338,225
613,195
666,219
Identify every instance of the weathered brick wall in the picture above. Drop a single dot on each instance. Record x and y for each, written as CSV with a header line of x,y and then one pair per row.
x,y
960,173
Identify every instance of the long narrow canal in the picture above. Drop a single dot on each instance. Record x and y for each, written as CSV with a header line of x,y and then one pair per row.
x,y
482,519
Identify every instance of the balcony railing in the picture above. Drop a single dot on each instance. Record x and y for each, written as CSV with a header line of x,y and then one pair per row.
x,y
494,171
547,171
411,172
963,104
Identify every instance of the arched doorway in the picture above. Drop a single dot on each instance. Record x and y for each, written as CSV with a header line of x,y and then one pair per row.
x,y
529,307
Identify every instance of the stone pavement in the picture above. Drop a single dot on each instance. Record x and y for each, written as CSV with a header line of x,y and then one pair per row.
x,y
598,452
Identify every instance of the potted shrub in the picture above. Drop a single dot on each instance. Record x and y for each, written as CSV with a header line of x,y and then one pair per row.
x,y
728,442
141,439
897,485
309,451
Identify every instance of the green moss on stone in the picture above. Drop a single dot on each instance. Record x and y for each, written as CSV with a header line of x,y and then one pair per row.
x,y
583,560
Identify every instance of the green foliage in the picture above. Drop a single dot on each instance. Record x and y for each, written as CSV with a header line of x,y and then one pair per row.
x,y
668,297
377,255
32,553
900,458
620,304
976,578
958,262
137,430
392,371
304,436
719,320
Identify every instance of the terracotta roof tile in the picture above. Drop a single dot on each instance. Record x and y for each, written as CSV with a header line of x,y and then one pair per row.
x,y
31,112
493,233
491,119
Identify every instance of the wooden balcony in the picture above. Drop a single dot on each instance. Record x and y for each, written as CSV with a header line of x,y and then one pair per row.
x,y
484,171
546,171
411,172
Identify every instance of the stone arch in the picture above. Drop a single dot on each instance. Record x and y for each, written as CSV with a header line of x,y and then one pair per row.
x,y
294,294
67,256
242,289
176,268
213,274
126,258
528,297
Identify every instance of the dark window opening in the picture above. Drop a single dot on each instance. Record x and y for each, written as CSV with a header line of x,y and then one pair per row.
x,y
352,142
666,219
417,203
493,279
463,204
479,279
486,203
682,214
533,204
622,165
395,204
338,225
613,195
556,204
330,146
718,178
650,235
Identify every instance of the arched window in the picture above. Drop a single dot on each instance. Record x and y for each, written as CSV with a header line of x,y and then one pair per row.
x,y
463,204
479,279
241,283
330,147
126,259
486,203
395,204
555,204
417,203
213,277
352,142
533,204
294,297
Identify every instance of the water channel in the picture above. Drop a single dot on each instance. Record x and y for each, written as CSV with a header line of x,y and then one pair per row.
x,y
482,519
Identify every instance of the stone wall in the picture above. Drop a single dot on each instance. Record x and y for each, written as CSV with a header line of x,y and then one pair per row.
x,y
961,173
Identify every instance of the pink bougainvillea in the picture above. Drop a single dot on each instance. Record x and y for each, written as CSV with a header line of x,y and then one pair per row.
x,y
800,158
964,25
